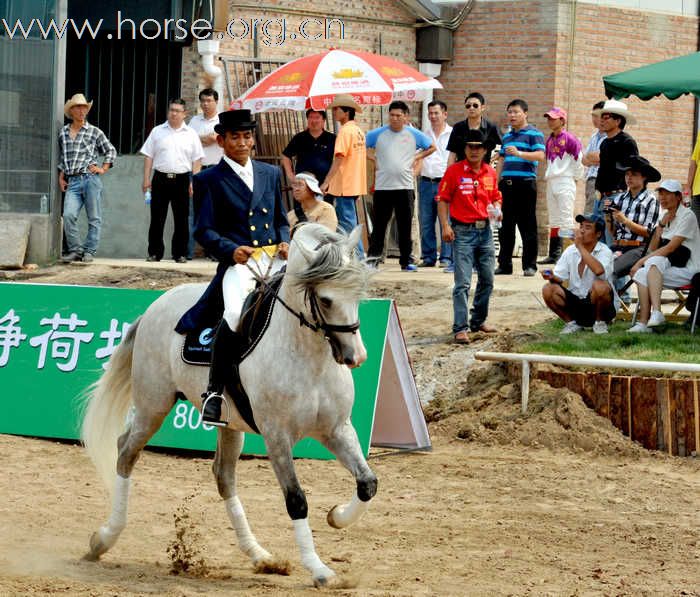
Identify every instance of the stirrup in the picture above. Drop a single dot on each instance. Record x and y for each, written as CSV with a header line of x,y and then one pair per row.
x,y
215,422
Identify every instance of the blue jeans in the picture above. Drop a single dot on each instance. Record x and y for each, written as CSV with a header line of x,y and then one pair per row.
x,y
427,213
83,190
472,249
598,210
347,218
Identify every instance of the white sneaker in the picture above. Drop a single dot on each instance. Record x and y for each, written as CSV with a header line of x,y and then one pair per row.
x,y
570,328
600,327
656,318
639,328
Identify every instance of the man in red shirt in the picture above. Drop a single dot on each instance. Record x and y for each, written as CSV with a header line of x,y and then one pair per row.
x,y
468,197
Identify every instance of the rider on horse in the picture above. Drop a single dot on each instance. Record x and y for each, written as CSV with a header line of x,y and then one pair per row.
x,y
241,222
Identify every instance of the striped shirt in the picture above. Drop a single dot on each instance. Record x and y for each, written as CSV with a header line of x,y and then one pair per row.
x,y
75,155
642,209
527,138
594,145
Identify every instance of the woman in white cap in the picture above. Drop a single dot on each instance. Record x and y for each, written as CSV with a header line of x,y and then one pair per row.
x,y
673,258
310,206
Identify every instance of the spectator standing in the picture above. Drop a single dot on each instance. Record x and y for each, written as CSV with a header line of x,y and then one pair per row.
x,y
617,148
312,149
586,266
81,146
673,258
203,124
692,186
475,106
633,217
591,157
432,170
173,153
563,153
467,193
522,149
347,178
396,149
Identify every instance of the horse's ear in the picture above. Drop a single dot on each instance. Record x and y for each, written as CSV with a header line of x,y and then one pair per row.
x,y
307,253
354,239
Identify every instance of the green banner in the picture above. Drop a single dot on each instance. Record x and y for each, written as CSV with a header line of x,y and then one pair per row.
x,y
55,341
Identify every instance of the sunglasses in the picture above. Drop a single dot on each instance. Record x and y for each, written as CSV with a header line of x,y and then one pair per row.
x,y
472,106
605,116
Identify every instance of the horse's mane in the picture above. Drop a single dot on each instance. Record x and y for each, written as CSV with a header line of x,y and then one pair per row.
x,y
328,261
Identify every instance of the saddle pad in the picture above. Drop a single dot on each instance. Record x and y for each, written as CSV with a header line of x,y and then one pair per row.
x,y
196,349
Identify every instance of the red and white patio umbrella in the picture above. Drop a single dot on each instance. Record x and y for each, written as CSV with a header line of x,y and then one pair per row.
x,y
313,82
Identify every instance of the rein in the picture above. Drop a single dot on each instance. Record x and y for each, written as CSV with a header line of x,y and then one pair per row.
x,y
319,321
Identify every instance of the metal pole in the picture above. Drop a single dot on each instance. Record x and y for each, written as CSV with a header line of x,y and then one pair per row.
x,y
524,386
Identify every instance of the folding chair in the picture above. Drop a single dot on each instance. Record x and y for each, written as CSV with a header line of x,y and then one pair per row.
x,y
682,294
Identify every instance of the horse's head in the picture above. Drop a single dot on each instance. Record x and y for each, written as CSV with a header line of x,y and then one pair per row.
x,y
324,267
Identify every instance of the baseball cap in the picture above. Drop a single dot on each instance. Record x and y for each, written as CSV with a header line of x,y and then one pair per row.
x,y
556,113
594,218
672,186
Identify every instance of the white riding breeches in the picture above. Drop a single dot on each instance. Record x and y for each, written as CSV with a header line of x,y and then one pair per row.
x,y
239,282
561,195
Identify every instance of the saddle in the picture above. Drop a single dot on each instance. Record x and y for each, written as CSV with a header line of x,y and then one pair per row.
x,y
254,321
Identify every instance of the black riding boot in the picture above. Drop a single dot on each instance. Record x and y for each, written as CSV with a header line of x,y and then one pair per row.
x,y
224,350
554,251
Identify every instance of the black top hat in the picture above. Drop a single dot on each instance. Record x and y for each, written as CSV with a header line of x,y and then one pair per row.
x,y
235,120
474,137
641,165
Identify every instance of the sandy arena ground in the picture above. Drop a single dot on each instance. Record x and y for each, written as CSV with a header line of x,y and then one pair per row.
x,y
556,502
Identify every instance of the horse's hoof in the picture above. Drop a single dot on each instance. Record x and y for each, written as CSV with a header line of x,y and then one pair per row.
x,y
330,518
271,566
335,582
97,548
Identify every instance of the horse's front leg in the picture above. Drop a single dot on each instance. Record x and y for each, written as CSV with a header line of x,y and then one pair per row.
x,y
228,449
344,444
279,449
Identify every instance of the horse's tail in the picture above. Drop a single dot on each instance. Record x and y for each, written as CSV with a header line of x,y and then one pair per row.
x,y
107,404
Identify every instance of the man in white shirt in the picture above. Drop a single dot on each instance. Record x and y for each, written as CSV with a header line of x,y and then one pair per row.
x,y
431,172
587,266
173,153
203,124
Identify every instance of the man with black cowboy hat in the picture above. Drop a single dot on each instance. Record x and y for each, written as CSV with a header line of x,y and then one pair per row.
x,y
467,193
617,148
81,147
632,218
241,221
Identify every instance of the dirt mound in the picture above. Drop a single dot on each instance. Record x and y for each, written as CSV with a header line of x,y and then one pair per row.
x,y
487,409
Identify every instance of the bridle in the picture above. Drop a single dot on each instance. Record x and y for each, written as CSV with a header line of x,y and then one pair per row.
x,y
319,322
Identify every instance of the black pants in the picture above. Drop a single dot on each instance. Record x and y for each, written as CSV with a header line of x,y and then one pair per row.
x,y
169,191
384,203
519,200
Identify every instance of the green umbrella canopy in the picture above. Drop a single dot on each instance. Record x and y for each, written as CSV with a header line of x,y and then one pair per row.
x,y
671,78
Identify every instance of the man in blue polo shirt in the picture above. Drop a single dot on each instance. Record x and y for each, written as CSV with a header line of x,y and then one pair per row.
x,y
396,149
522,148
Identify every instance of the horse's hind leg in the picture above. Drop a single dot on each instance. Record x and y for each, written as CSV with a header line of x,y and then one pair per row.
x,y
344,444
279,450
228,449
129,447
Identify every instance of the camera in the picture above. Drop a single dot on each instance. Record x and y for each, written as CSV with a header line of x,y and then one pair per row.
x,y
610,208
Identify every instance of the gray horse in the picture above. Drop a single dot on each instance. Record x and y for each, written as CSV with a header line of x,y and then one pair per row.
x,y
298,381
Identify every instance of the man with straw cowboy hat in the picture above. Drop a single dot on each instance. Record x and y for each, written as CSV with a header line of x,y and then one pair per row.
x,y
347,178
82,147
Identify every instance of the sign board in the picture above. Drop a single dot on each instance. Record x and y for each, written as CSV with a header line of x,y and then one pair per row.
x,y
56,340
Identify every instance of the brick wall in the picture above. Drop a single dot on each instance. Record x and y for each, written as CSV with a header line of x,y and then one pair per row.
x,y
548,54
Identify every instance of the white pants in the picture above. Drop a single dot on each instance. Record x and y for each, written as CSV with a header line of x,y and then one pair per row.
x,y
561,194
239,282
673,277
